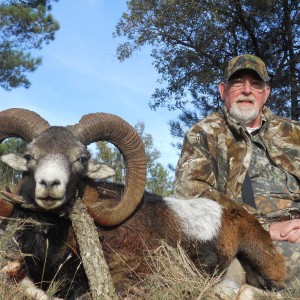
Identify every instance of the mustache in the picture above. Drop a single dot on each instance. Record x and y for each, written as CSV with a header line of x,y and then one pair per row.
x,y
249,98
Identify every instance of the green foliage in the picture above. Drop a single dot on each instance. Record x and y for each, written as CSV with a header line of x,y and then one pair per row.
x,y
159,181
7,174
110,155
24,26
158,177
192,41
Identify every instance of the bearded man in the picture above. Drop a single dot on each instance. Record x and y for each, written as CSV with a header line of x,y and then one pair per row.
x,y
245,150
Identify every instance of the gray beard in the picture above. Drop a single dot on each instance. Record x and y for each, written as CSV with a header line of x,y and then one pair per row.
x,y
244,116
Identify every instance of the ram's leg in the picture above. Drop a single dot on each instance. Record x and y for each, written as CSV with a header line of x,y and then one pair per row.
x,y
248,292
255,250
233,286
13,270
233,279
31,290
265,267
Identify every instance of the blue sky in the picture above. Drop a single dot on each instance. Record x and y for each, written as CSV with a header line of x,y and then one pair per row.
x,y
80,74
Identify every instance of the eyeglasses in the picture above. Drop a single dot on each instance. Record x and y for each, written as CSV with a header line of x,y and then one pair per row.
x,y
256,85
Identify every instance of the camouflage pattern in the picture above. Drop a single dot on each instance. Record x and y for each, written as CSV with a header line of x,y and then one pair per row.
x,y
246,61
291,253
273,188
217,153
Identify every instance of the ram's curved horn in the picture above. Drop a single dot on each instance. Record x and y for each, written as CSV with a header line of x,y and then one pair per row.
x,y
21,123
107,127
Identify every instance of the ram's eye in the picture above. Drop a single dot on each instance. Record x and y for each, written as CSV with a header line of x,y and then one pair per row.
x,y
28,157
83,160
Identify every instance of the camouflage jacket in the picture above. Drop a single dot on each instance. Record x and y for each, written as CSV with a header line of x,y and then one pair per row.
x,y
217,151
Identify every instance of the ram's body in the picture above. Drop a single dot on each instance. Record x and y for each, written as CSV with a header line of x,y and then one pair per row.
x,y
55,165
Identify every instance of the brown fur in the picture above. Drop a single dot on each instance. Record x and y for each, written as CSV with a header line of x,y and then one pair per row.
x,y
126,245
6,208
238,225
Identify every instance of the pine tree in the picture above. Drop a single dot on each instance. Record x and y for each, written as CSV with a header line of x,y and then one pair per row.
x,y
192,41
25,25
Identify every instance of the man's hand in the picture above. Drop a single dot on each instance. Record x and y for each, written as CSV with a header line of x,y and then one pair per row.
x,y
286,231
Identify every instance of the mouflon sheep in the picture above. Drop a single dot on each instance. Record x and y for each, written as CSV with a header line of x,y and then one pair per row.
x,y
57,168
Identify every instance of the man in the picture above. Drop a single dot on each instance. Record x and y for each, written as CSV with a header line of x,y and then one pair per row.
x,y
245,139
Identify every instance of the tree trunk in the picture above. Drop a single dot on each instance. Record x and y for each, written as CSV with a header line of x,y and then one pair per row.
x,y
292,61
91,253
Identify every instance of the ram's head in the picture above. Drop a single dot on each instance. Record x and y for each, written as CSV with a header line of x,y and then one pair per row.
x,y
56,159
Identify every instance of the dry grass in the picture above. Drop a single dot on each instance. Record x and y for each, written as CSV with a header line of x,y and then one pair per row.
x,y
9,251
174,277
8,289
291,293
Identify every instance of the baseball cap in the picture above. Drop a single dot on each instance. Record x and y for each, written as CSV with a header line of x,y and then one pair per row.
x,y
248,62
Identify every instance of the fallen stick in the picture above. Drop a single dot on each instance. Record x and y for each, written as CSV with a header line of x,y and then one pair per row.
x,y
91,253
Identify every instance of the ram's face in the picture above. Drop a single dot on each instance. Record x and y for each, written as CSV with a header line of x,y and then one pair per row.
x,y
56,178
55,161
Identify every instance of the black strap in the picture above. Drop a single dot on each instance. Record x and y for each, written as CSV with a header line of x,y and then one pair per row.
x,y
247,192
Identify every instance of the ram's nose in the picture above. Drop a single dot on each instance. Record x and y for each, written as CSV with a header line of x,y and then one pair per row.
x,y
49,183
50,188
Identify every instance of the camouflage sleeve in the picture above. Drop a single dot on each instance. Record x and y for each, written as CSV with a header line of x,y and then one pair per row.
x,y
285,214
262,219
194,175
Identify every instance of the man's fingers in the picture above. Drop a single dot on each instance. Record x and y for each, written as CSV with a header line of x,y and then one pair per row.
x,y
289,226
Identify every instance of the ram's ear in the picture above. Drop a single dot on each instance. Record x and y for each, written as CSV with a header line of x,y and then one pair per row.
x,y
15,161
96,170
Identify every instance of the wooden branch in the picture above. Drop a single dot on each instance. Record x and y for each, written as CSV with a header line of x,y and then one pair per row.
x,y
91,253
13,197
16,199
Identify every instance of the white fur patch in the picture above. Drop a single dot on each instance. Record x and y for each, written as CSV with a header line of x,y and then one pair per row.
x,y
51,176
200,218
